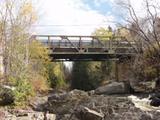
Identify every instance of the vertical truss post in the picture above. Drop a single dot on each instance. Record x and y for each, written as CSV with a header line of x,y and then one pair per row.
x,y
59,44
80,43
116,70
49,42
92,42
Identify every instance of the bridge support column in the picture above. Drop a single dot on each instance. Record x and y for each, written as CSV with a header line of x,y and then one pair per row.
x,y
116,71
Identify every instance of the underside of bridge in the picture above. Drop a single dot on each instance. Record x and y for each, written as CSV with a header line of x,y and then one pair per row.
x,y
89,56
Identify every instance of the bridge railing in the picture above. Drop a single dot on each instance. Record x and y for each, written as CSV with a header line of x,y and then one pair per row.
x,y
85,42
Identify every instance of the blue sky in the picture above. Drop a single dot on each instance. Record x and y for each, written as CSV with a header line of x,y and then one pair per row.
x,y
103,7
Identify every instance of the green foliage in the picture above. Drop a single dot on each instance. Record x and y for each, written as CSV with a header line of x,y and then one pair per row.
x,y
38,51
56,75
23,92
86,75
39,58
37,67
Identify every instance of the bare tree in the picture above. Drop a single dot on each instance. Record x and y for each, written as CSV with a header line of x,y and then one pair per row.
x,y
145,32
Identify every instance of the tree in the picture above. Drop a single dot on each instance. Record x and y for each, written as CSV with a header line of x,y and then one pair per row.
x,y
144,31
122,32
145,28
106,66
20,59
104,32
56,75
86,75
37,66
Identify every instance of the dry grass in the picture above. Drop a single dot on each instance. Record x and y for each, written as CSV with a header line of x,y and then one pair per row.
x,y
39,84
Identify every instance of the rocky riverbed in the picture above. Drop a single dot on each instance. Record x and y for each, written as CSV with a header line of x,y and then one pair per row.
x,y
93,105
79,105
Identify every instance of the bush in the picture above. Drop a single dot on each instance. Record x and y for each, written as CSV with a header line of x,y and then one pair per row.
x,y
39,83
22,92
56,75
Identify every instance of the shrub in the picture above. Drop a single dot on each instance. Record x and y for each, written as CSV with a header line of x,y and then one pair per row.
x,y
56,75
23,92
39,83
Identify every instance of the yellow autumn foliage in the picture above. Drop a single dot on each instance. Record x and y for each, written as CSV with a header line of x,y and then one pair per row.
x,y
103,32
27,10
38,61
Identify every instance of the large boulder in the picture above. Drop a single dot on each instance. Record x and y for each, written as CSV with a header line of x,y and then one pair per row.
x,y
71,96
144,86
65,103
113,88
6,95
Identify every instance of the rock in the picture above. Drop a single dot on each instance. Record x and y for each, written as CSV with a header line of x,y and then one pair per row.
x,y
77,94
30,115
155,100
6,96
38,103
146,117
57,97
113,88
144,87
92,92
50,116
2,115
88,114
10,117
73,95
26,118
5,115
116,107
65,103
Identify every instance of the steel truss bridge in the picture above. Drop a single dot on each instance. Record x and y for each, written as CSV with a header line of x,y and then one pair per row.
x,y
95,48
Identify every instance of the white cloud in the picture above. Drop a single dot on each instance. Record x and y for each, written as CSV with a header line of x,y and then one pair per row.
x,y
71,12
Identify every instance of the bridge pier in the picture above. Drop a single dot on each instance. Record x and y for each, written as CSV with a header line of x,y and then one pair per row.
x,y
116,71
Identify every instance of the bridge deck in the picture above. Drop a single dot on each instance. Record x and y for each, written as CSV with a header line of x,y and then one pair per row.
x,y
87,47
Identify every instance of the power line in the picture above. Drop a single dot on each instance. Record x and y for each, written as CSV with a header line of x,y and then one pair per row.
x,y
62,25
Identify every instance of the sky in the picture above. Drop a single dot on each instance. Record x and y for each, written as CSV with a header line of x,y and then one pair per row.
x,y
80,17
74,17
